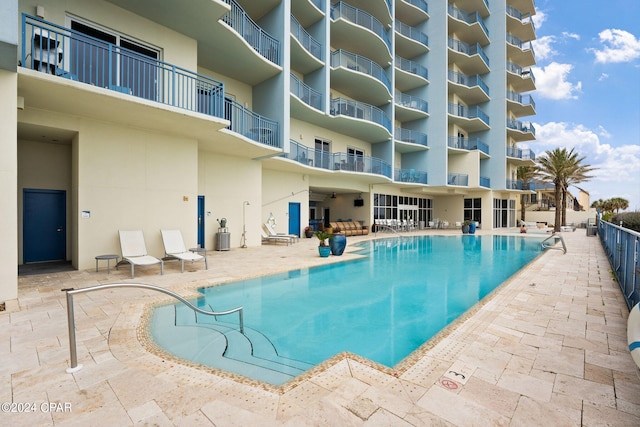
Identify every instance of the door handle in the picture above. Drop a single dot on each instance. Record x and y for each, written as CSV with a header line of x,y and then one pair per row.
x,y
59,229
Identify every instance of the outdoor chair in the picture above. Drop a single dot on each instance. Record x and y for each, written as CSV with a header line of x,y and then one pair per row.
x,y
174,248
134,250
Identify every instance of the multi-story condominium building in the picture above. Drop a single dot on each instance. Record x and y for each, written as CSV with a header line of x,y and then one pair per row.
x,y
121,115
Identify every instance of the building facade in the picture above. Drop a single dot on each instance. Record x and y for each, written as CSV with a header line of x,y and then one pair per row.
x,y
122,115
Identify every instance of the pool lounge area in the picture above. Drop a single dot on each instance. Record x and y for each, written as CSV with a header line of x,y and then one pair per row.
x,y
549,347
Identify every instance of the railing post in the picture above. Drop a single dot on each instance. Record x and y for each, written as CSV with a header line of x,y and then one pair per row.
x,y
72,336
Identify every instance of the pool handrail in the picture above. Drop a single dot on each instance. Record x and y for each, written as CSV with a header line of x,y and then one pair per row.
x,y
550,245
71,319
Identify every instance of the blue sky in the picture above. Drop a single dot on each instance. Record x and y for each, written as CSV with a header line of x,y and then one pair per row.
x,y
588,90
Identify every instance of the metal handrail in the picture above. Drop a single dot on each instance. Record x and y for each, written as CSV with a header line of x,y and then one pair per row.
x,y
556,237
72,325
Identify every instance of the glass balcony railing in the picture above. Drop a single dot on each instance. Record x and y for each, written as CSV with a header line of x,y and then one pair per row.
x,y
472,112
410,175
513,184
468,49
318,3
251,125
342,58
516,69
412,33
520,99
411,136
336,161
520,126
361,18
515,41
420,4
467,144
485,182
469,18
360,110
470,81
512,11
307,94
73,55
458,179
310,44
265,44
411,67
521,153
409,101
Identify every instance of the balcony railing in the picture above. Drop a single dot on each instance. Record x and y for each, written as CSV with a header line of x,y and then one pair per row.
x,y
520,99
472,112
458,179
521,153
469,18
412,33
411,67
73,55
514,184
410,175
515,41
318,3
468,49
342,58
336,161
411,136
516,69
359,110
409,101
307,41
307,94
361,18
485,182
265,44
470,81
467,144
520,126
251,125
420,4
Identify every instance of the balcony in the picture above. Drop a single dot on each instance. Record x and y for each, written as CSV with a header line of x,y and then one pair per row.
x,y
519,51
358,31
359,77
343,162
361,111
306,52
520,131
409,140
520,156
412,12
409,108
470,58
251,125
460,179
485,182
308,12
410,175
472,118
471,26
520,105
410,41
521,80
520,24
306,94
410,74
461,143
69,54
513,184
471,89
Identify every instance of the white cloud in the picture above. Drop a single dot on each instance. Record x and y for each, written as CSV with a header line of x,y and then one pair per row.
x,y
618,46
543,47
617,167
538,19
551,82
603,76
569,35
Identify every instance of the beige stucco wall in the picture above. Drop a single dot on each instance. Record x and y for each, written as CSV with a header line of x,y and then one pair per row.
x,y
8,183
278,190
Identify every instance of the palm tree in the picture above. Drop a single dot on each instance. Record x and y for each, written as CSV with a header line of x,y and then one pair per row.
x,y
526,174
562,167
619,203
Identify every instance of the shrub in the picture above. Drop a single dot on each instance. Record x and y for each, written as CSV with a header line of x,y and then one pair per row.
x,y
630,220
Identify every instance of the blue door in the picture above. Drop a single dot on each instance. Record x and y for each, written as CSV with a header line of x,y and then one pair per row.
x,y
201,221
294,219
44,225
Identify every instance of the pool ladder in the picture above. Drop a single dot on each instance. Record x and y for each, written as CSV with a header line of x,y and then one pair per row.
x,y
549,243
72,325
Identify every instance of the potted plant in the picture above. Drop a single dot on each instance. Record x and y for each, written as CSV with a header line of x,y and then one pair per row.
x,y
323,249
465,226
308,232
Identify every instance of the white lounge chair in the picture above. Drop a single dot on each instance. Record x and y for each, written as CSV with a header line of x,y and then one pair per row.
x,y
174,248
134,250
272,233
266,238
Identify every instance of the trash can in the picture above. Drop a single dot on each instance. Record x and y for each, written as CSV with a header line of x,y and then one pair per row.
x,y
223,240
592,230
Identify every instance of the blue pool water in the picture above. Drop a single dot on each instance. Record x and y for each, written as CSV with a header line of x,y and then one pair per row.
x,y
383,306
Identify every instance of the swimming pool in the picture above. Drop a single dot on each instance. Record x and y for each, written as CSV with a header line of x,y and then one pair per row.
x,y
382,307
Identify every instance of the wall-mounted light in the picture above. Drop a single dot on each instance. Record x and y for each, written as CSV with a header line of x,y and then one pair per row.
x,y
333,196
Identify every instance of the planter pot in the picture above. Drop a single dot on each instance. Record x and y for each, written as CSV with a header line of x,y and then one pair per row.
x,y
324,251
337,244
472,228
308,233
465,229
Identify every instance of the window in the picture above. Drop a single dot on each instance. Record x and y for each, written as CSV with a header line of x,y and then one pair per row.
x,y
504,213
473,210
386,206
322,153
355,159
106,59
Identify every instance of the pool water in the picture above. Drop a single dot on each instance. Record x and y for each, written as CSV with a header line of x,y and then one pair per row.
x,y
383,306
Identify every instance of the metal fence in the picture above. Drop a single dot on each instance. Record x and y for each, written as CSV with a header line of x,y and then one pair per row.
x,y
622,247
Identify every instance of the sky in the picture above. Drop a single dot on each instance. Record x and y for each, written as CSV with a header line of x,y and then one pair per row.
x,y
587,96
